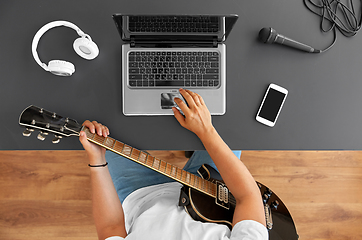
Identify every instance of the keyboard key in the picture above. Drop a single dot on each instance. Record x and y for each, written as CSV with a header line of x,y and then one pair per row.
x,y
212,70
211,76
213,59
132,83
134,70
169,83
135,77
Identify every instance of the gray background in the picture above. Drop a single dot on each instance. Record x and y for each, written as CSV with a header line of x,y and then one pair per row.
x,y
322,111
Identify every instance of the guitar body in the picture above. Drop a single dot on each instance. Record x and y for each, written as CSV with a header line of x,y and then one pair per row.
x,y
202,207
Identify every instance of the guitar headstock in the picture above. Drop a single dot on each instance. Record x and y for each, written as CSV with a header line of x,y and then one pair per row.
x,y
47,122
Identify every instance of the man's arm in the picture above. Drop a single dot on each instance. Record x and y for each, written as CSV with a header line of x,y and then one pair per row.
x,y
107,208
240,182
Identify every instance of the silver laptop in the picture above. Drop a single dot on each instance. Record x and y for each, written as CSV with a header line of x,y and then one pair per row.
x,y
163,53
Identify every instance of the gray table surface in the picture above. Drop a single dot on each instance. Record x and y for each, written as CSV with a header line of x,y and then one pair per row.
x,y
323,110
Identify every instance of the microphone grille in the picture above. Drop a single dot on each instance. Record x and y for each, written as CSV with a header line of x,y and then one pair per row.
x,y
267,35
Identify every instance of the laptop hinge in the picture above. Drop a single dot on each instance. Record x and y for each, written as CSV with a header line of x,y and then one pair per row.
x,y
170,44
214,42
133,42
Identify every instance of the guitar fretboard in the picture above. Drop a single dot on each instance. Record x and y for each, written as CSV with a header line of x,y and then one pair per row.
x,y
153,163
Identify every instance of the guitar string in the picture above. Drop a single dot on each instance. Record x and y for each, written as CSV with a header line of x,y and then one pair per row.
x,y
206,191
192,185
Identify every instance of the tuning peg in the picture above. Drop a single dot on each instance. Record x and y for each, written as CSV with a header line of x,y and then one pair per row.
x,y
28,132
56,139
42,135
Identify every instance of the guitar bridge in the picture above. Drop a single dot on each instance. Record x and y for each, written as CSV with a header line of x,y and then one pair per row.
x,y
268,217
222,197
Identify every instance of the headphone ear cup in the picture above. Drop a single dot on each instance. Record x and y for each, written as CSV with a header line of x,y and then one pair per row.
x,y
86,48
61,68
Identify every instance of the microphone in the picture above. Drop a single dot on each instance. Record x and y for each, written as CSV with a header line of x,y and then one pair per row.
x,y
269,35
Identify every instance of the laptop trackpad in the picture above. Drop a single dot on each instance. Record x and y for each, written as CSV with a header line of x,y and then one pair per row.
x,y
167,100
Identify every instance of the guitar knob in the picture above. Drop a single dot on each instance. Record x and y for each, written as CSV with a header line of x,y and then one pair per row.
x,y
28,132
56,139
42,135
274,205
268,192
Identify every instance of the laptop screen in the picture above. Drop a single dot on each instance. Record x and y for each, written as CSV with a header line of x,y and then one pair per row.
x,y
174,27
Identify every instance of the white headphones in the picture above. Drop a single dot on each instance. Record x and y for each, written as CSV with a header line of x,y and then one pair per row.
x,y
83,46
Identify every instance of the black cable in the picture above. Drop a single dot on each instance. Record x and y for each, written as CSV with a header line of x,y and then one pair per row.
x,y
336,15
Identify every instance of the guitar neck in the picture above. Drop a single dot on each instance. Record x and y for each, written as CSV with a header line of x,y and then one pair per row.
x,y
153,163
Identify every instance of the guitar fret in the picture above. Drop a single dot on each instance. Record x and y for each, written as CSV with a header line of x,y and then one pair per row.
x,y
88,133
131,151
135,154
173,171
156,163
214,189
114,144
149,161
208,187
93,136
162,166
196,181
183,176
108,142
98,139
192,181
178,173
168,169
118,147
143,156
187,177
127,150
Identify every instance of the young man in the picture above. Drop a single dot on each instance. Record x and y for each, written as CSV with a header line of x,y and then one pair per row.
x,y
133,202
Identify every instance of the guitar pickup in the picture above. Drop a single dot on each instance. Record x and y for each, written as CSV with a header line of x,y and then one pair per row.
x,y
222,197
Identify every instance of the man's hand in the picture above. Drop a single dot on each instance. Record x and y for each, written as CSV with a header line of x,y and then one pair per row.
x,y
95,153
249,205
197,117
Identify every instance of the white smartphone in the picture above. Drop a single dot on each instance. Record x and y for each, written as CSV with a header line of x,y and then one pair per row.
x,y
271,105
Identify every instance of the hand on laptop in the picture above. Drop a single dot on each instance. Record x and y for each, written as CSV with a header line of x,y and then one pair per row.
x,y
197,117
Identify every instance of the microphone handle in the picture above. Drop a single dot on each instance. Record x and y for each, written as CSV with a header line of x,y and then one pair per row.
x,y
294,44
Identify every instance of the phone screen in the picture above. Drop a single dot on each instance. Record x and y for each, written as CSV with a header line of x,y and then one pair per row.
x,y
272,104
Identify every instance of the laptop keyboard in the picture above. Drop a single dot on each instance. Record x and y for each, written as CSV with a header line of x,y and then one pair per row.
x,y
191,69
173,24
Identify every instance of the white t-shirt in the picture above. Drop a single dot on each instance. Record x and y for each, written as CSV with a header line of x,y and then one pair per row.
x,y
153,213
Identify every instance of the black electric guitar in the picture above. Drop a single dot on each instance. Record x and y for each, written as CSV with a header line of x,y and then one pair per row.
x,y
205,198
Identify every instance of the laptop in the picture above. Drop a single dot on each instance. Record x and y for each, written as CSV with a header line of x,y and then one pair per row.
x,y
163,53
